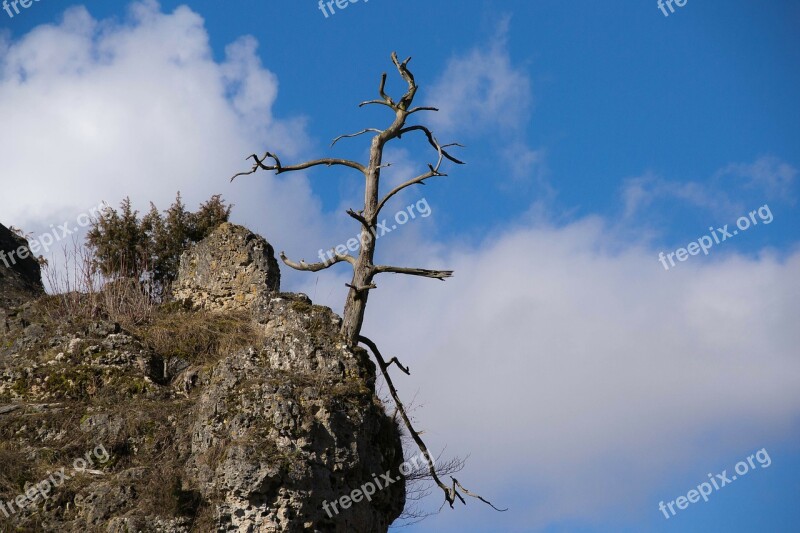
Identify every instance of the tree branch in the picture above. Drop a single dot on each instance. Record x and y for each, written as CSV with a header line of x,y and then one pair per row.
x,y
382,91
436,274
351,135
403,369
422,108
402,68
361,288
472,494
432,140
407,98
315,267
450,493
433,169
278,168
449,496
358,216
368,102
419,179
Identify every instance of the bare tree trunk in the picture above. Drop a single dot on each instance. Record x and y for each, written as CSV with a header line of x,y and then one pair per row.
x,y
356,303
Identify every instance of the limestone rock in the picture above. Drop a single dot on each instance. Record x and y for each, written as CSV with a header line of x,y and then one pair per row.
x,y
227,270
304,428
254,437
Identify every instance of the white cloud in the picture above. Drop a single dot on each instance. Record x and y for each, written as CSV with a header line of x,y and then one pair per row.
x,y
483,94
768,174
727,193
482,90
588,377
97,110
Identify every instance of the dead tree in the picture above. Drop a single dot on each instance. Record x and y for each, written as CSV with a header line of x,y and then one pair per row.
x,y
364,269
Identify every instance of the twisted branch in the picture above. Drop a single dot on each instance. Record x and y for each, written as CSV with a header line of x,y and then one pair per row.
x,y
382,91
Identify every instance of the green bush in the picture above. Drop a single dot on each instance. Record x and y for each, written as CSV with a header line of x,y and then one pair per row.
x,y
149,248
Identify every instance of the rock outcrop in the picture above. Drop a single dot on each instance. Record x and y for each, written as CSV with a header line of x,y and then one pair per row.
x,y
20,274
228,270
246,413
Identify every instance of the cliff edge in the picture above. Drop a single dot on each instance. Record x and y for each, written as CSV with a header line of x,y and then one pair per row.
x,y
235,408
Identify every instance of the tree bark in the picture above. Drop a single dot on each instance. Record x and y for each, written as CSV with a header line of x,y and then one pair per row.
x,y
355,304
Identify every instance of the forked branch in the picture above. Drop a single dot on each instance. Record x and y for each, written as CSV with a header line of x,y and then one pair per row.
x,y
404,369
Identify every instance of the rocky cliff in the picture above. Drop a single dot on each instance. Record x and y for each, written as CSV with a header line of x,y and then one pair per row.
x,y
20,276
238,408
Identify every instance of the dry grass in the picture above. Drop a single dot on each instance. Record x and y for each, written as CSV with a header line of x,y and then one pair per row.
x,y
16,471
80,292
197,336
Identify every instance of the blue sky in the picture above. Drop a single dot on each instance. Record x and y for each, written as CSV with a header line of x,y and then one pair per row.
x,y
597,135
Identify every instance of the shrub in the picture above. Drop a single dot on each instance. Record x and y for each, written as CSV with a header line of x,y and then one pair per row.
x,y
148,249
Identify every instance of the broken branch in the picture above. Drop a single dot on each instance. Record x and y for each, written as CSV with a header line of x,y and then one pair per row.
x,y
361,288
436,274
